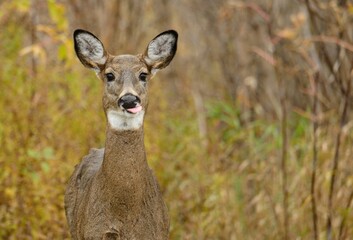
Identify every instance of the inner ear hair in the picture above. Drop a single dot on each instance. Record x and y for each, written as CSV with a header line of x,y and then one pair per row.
x,y
161,50
89,49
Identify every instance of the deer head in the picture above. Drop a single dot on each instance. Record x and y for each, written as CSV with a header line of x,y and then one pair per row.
x,y
125,77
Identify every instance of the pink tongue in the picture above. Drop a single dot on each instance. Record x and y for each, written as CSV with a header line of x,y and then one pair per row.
x,y
135,109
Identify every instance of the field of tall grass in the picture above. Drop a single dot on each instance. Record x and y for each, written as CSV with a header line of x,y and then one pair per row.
x,y
273,163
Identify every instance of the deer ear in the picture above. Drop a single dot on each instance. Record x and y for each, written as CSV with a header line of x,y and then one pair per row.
x,y
161,50
90,50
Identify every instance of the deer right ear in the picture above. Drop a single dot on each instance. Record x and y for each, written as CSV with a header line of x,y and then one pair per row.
x,y
161,50
90,50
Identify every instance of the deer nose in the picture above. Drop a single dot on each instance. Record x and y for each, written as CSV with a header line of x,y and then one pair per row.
x,y
129,101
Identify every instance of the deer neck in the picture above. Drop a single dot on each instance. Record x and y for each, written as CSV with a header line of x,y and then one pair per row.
x,y
124,171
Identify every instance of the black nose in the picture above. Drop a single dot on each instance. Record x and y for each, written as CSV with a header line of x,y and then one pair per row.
x,y
129,101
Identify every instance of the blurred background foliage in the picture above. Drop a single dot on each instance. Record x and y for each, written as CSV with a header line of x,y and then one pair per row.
x,y
249,131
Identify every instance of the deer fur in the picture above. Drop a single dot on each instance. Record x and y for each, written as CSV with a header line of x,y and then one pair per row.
x,y
112,193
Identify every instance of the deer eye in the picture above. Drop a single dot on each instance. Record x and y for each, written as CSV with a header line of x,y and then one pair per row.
x,y
143,77
110,77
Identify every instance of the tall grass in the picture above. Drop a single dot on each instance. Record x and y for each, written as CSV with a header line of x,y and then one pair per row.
x,y
223,183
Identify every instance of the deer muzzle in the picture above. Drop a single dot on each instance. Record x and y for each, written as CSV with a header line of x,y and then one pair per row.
x,y
130,103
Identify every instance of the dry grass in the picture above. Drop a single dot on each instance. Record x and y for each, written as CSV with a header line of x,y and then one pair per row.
x,y
216,150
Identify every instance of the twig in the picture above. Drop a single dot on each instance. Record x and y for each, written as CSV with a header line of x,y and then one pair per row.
x,y
320,48
333,40
266,56
342,3
314,160
252,6
335,160
255,7
273,208
344,219
283,99
284,163
33,23
314,12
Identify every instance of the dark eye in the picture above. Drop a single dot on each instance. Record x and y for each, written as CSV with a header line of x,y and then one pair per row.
x,y
143,77
110,77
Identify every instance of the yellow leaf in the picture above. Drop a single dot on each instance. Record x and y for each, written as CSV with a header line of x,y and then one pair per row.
x,y
36,50
10,192
287,33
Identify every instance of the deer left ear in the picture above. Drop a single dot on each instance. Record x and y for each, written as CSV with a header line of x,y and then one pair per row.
x,y
90,50
161,50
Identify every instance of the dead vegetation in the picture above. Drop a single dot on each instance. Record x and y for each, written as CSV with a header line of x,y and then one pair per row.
x,y
250,133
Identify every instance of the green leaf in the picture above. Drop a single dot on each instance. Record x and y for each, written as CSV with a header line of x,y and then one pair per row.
x,y
34,154
45,167
35,177
57,14
48,153
62,52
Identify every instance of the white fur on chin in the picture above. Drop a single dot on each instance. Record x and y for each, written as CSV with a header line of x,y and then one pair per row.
x,y
122,120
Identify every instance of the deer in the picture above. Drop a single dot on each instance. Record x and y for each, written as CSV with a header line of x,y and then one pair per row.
x,y
113,193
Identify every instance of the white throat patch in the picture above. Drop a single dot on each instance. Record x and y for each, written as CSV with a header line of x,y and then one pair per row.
x,y
119,120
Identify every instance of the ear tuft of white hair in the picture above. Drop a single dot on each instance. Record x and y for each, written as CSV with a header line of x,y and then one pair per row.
x,y
161,50
89,49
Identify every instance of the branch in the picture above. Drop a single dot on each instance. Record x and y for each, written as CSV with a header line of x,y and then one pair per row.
x,y
335,160
266,56
252,6
344,219
284,162
314,160
334,40
284,150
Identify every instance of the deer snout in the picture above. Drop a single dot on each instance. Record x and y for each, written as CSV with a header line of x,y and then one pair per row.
x,y
130,103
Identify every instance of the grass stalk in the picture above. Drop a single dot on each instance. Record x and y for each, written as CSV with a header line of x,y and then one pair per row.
x,y
284,156
314,160
335,161
344,219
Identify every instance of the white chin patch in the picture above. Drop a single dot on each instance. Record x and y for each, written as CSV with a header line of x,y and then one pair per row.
x,y
122,120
